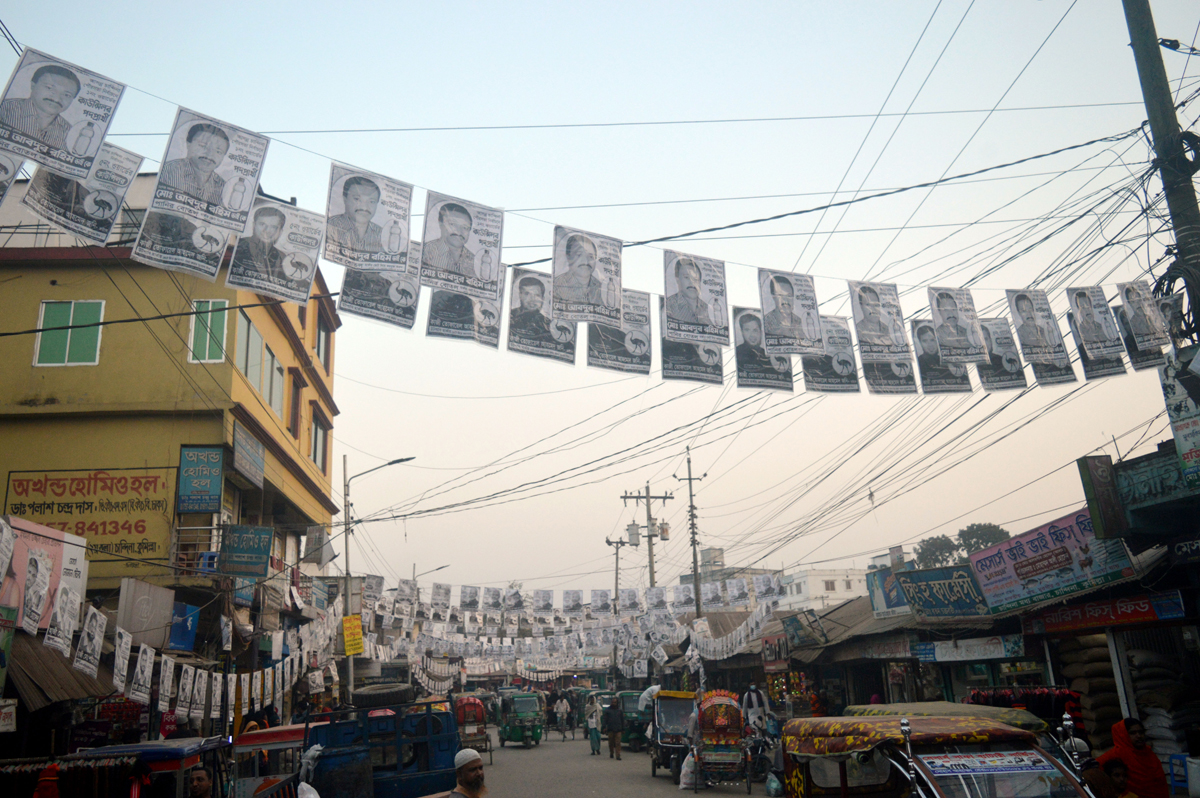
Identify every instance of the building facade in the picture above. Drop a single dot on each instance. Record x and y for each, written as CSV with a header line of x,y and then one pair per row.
x,y
819,588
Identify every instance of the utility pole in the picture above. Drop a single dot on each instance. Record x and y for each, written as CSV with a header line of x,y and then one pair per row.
x,y
650,533
346,541
1174,166
692,524
616,544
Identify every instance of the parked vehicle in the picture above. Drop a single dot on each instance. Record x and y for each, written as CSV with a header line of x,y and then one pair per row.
x,y
719,752
522,718
762,737
669,747
636,720
265,757
472,725
170,761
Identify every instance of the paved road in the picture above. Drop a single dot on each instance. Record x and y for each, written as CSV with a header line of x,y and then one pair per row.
x,y
557,768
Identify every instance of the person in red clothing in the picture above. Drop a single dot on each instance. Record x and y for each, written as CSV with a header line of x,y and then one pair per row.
x,y
1146,778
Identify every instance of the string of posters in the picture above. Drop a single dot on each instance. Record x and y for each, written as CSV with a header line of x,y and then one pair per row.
x,y
57,115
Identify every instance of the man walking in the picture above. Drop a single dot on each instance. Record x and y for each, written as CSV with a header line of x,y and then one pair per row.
x,y
754,705
614,724
468,771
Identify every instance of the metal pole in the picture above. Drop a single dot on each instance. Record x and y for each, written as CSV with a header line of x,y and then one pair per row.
x,y
346,535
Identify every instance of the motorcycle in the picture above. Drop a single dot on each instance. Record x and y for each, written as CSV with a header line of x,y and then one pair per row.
x,y
761,739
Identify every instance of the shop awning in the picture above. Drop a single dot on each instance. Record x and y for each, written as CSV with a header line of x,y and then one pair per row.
x,y
42,676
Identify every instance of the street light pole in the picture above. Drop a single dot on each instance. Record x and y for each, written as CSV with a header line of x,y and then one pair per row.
x,y
617,544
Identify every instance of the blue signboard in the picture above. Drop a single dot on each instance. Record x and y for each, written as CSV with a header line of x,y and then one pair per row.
x,y
943,593
184,620
887,599
246,550
243,592
249,455
200,478
320,594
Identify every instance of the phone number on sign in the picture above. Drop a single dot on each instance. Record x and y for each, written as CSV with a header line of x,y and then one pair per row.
x,y
100,527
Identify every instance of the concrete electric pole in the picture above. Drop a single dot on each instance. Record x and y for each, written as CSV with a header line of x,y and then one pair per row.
x,y
650,533
692,524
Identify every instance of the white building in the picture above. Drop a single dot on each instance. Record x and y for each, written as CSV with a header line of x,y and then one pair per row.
x,y
819,588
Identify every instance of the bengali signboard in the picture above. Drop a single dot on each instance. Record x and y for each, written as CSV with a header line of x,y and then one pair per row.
x,y
249,455
1055,560
887,599
972,649
124,513
1099,480
246,551
775,653
946,593
200,478
352,632
1096,614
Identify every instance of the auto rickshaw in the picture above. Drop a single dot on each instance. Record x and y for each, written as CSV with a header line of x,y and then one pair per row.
x,y
668,747
472,725
634,736
522,718
719,753
265,757
921,756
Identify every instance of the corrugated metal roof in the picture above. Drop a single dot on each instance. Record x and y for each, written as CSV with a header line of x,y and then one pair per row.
x,y
719,623
42,676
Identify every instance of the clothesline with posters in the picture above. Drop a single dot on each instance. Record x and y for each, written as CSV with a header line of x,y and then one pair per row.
x,y
207,193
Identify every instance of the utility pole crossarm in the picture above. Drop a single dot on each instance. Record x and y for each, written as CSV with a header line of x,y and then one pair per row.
x,y
650,533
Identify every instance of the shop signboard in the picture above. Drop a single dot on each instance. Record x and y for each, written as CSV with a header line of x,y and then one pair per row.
x,y
974,764
948,593
125,514
803,630
249,456
887,599
890,647
68,567
243,592
971,649
184,621
320,594
1152,479
1099,479
201,476
1116,612
246,551
1185,552
1056,560
775,653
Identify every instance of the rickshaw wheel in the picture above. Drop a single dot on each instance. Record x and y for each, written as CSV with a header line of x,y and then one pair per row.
x,y
653,765
675,773
501,741
749,782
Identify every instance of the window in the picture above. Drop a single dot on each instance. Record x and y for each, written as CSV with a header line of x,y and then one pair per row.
x,y
294,425
249,351
208,331
78,347
319,434
273,382
849,585
323,342
830,585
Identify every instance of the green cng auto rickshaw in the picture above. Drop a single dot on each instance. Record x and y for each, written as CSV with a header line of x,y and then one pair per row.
x,y
522,718
634,736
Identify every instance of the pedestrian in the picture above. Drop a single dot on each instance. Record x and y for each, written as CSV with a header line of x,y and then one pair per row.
x,y
754,705
468,773
1145,774
614,724
592,716
562,709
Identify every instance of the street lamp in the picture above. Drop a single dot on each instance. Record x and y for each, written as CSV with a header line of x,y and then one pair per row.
x,y
346,533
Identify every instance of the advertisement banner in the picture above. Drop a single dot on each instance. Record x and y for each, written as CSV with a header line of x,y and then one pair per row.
x,y
352,632
246,551
249,455
976,648
43,559
943,593
1054,561
887,599
1097,614
1181,391
200,478
124,513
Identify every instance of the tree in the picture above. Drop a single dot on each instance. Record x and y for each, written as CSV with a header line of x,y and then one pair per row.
x,y
936,551
977,537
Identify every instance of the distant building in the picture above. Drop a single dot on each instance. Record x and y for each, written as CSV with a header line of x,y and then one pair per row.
x,y
815,589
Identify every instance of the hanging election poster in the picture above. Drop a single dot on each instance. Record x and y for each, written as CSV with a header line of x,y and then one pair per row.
x,y
586,277
956,325
87,206
879,323
139,686
124,644
1048,374
9,168
1094,367
627,598
183,702
278,255
543,603
441,596
739,595
1147,358
942,593
683,598
174,242
656,600
166,681
390,296
468,598
834,371
789,310
218,690
937,376
625,348
462,247
1170,307
1002,371
244,688
710,595
1147,324
62,620
601,604
531,330
692,362
8,543
91,638
697,305
1051,562
493,600
461,317
35,590
406,592
514,602
766,586
1037,328
1097,329
56,113
199,694
367,218
896,377
755,367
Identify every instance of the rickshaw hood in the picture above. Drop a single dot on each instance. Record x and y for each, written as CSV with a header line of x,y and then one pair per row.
x,y
828,736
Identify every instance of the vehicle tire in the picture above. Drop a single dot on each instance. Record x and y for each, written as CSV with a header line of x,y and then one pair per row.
x,y
501,742
382,695
527,743
537,742
676,768
761,768
653,766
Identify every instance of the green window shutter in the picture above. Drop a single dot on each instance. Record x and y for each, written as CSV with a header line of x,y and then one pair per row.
x,y
84,346
52,345
216,330
200,331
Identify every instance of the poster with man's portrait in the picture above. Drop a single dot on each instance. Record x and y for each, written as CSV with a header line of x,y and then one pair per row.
x,y
463,318
218,690
183,701
406,592
88,206
656,600
572,604
123,645
8,542
91,640
1094,368
514,602
878,322
835,371
390,297
1150,357
531,330
697,305
10,166
628,600
585,278
790,317
62,620
739,595
1146,323
625,348
687,361
756,368
469,598
937,375
441,596
765,587
956,325
166,683
1002,371
710,595
462,247
543,603
683,598
493,600
367,221
36,589
601,604
1037,328
1094,321
56,113
200,694
278,255
139,686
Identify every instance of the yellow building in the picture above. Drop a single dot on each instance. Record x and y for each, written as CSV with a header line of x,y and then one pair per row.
x,y
94,420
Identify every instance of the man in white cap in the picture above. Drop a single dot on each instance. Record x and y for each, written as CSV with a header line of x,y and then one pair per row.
x,y
468,767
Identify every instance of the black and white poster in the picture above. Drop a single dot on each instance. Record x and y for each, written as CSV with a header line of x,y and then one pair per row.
x,y
37,589
710,595
493,600
572,604
755,367
543,604
56,113
462,247
9,167
91,639
406,592
1048,374
531,330
256,690
143,671
86,207
586,277
218,690
469,598
460,317
123,645
440,599
601,604
367,221
1146,322
62,620
1094,368
514,602
244,687
166,683
879,323
1037,328
656,600
173,242
766,587
937,375
683,598
789,314
894,378
8,541
697,305
959,336
1002,371
627,598
1140,358
199,695
278,255
835,371
686,361
183,701
1094,320
627,348
739,594
1170,307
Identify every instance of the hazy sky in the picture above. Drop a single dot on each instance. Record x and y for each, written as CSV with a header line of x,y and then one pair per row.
x,y
790,479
